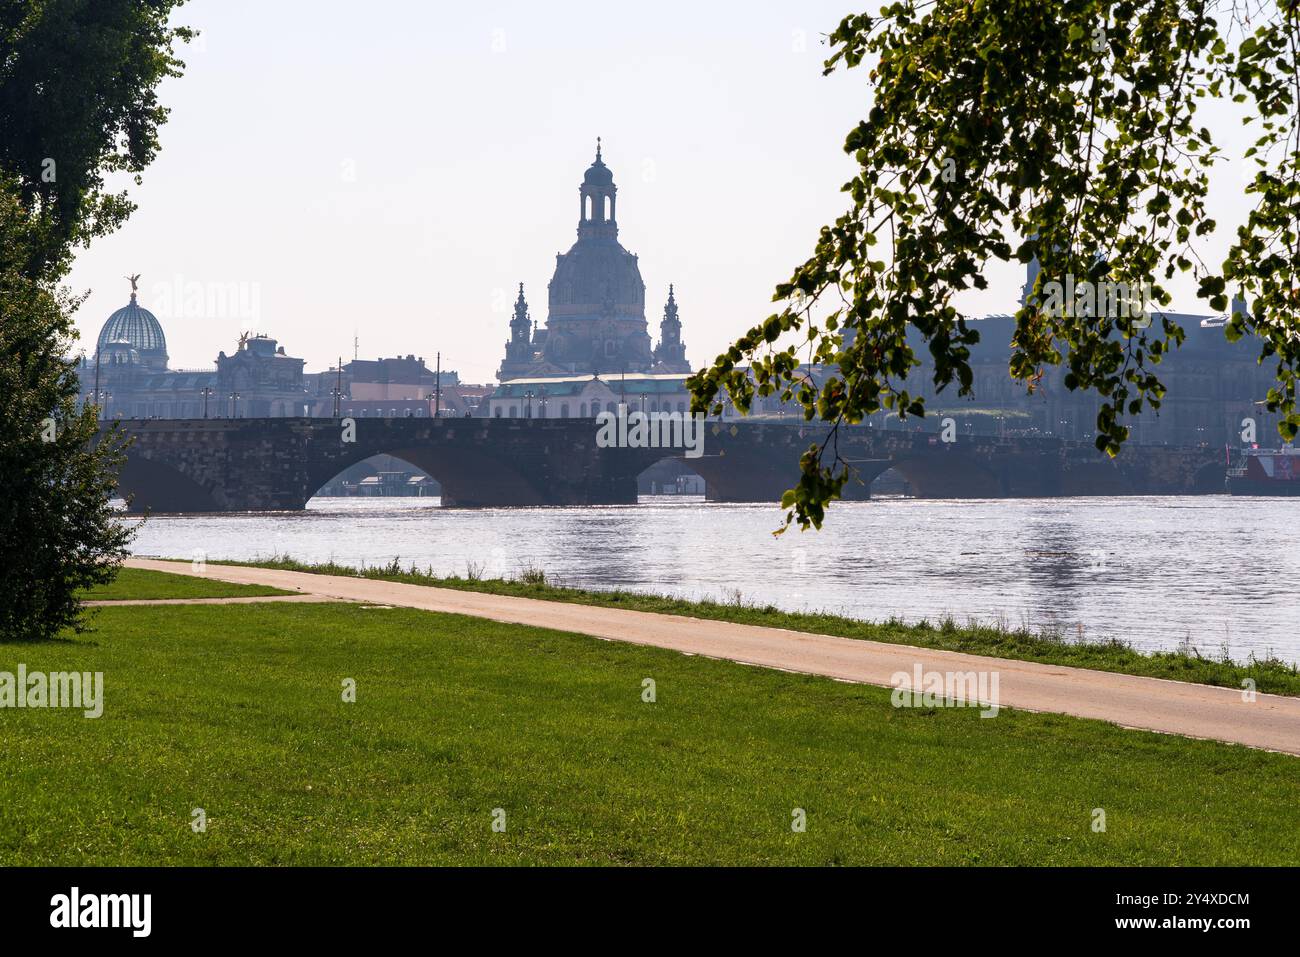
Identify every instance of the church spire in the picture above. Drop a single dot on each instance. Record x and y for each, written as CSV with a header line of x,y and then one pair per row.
x,y
521,326
670,354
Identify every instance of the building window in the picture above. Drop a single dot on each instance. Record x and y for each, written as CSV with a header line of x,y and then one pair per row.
x,y
514,411
681,407
497,412
564,410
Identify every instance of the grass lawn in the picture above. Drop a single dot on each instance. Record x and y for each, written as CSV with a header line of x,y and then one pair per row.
x,y
140,583
238,710
1271,676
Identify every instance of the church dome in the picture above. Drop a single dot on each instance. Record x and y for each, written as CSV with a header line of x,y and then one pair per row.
x,y
598,174
138,326
600,275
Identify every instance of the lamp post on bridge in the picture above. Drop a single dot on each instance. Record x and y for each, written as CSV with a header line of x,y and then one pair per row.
x,y
207,393
234,405
338,388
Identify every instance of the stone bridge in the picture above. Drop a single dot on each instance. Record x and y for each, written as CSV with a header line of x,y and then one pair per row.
x,y
192,465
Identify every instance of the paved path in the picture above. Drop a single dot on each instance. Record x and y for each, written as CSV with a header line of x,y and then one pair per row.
x,y
1176,707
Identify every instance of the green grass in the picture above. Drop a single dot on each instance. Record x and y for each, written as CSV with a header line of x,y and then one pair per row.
x,y
139,583
237,710
1271,675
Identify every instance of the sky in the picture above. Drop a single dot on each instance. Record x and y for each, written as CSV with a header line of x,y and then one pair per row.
x,y
381,177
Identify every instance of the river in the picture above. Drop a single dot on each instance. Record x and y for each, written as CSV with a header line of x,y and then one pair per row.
x,y
1213,571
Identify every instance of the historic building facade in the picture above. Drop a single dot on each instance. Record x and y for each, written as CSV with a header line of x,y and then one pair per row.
x,y
128,377
596,323
594,350
400,387
586,396
264,381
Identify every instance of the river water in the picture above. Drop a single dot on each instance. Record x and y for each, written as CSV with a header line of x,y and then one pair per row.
x,y
1215,571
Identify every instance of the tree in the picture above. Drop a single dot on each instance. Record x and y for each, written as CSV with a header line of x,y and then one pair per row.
x,y
1055,130
77,103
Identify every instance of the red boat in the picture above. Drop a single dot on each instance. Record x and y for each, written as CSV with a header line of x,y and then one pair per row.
x,y
1266,472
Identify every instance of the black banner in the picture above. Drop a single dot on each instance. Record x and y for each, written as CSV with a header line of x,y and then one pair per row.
x,y
136,906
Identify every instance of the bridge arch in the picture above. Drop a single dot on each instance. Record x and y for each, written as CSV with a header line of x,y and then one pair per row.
x,y
951,474
670,474
469,476
151,485
380,475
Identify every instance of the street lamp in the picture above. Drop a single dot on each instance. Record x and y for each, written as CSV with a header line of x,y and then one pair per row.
x,y
234,405
528,406
207,392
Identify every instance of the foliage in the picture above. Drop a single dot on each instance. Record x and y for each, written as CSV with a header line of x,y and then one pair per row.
x,y
1056,131
57,531
77,103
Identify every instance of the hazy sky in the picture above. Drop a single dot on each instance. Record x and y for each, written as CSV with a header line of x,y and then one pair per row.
x,y
392,170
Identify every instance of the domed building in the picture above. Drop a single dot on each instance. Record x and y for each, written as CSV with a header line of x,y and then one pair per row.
x,y
139,328
128,377
596,323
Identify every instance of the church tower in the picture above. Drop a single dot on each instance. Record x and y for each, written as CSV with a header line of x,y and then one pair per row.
x,y
519,350
670,354
595,321
598,196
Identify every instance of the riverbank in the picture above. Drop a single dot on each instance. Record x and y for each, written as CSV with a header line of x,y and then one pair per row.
x,y
1160,574
1270,676
459,723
